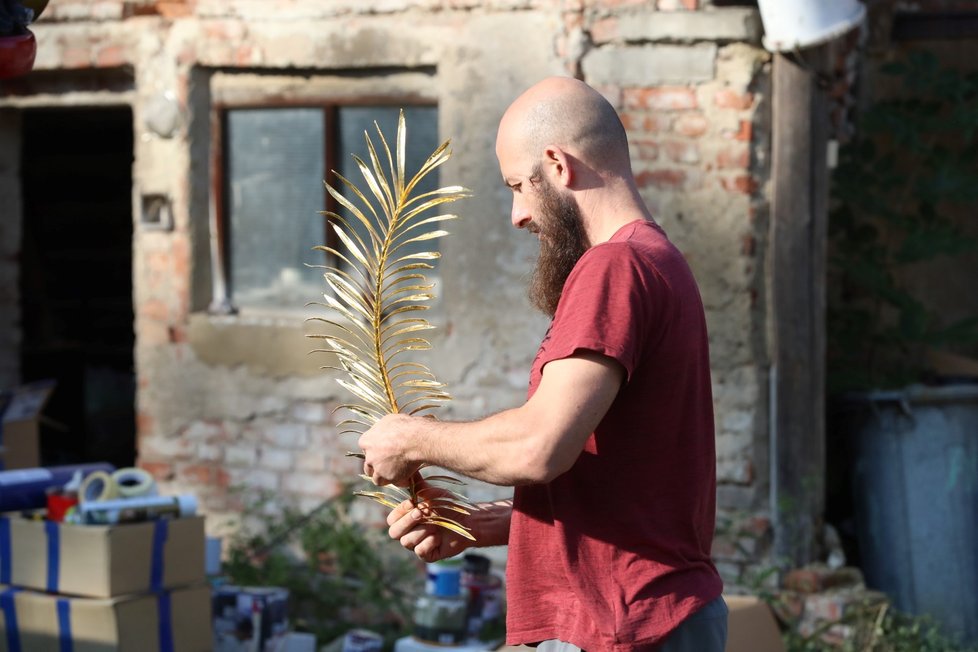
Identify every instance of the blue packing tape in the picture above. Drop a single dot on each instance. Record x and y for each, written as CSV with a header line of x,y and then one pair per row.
x,y
5,550
54,554
10,616
166,621
160,533
64,625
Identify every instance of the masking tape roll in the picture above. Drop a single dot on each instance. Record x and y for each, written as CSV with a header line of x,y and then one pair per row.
x,y
97,486
134,483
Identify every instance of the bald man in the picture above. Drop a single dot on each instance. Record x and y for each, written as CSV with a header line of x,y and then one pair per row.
x,y
612,455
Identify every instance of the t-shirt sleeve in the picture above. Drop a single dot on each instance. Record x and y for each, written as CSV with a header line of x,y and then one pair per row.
x,y
607,301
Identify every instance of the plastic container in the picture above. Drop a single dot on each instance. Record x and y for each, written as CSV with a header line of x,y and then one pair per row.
x,y
441,619
444,578
915,493
794,24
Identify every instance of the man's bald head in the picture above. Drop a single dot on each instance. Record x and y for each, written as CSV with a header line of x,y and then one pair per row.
x,y
570,114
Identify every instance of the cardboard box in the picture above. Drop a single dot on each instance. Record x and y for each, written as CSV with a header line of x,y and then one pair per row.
x,y
751,626
103,561
20,416
171,621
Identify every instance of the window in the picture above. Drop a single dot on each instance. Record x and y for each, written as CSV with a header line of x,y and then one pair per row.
x,y
273,161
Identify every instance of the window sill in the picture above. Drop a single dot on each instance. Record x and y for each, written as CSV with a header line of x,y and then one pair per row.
x,y
267,342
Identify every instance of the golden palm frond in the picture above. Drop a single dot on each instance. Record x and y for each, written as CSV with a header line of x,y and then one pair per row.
x,y
377,297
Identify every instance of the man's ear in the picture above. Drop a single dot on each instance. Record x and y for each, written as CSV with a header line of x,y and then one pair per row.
x,y
559,165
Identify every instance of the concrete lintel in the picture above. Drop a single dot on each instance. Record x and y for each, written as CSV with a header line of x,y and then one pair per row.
x,y
650,64
732,24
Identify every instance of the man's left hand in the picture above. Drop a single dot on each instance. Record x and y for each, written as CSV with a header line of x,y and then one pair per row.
x,y
385,447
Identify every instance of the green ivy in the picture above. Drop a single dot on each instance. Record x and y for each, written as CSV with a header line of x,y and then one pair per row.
x,y
914,158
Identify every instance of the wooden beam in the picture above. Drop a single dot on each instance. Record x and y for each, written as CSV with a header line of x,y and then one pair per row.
x,y
799,219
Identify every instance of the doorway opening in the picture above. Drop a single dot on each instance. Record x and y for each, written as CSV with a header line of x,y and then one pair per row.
x,y
76,280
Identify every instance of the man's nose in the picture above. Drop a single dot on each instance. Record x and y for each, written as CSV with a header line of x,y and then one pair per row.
x,y
520,216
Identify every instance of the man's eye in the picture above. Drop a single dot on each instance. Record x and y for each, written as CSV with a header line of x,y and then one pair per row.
x,y
516,187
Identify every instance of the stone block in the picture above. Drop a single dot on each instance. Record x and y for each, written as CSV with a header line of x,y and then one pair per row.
x,y
650,64
728,24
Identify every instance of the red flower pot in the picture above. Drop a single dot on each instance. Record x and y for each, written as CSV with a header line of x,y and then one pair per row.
x,y
17,55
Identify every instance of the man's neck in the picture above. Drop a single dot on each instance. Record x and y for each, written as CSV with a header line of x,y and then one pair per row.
x,y
608,209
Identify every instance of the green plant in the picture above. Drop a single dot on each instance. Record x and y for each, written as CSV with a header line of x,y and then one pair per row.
x,y
340,574
875,628
912,163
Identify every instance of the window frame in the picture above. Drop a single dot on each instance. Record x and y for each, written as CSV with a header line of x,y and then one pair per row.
x,y
222,299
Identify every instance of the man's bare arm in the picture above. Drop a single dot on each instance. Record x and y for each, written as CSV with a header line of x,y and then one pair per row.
x,y
533,443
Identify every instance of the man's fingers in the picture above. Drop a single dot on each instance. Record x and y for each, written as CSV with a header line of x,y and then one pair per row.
x,y
399,511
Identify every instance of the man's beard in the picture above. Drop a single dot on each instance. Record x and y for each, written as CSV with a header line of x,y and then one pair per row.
x,y
563,241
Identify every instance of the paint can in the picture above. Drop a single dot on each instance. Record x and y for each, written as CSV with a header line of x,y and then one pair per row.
x,y
444,578
440,619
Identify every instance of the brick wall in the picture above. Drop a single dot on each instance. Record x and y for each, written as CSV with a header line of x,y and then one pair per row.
x,y
691,85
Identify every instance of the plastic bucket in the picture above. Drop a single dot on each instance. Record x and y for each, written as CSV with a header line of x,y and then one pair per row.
x,y
791,24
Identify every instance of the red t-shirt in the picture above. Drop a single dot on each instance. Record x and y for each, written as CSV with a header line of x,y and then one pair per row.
x,y
615,553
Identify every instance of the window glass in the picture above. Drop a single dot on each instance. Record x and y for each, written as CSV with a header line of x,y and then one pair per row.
x,y
275,172
422,139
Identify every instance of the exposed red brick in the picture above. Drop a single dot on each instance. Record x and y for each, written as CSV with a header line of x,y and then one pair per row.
x,y
153,309
665,98
646,150
159,470
604,30
743,132
177,334
727,98
664,179
737,156
222,478
741,183
111,56
692,125
677,5
682,151
173,8
198,473
144,423
75,57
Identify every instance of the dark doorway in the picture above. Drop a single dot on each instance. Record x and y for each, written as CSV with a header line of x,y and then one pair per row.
x,y
76,280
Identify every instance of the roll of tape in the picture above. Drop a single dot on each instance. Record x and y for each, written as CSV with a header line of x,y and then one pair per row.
x,y
134,483
97,486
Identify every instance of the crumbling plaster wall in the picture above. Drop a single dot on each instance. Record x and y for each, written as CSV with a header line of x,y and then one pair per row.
x,y
231,401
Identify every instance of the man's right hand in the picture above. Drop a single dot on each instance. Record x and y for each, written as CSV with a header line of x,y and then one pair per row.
x,y
429,542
